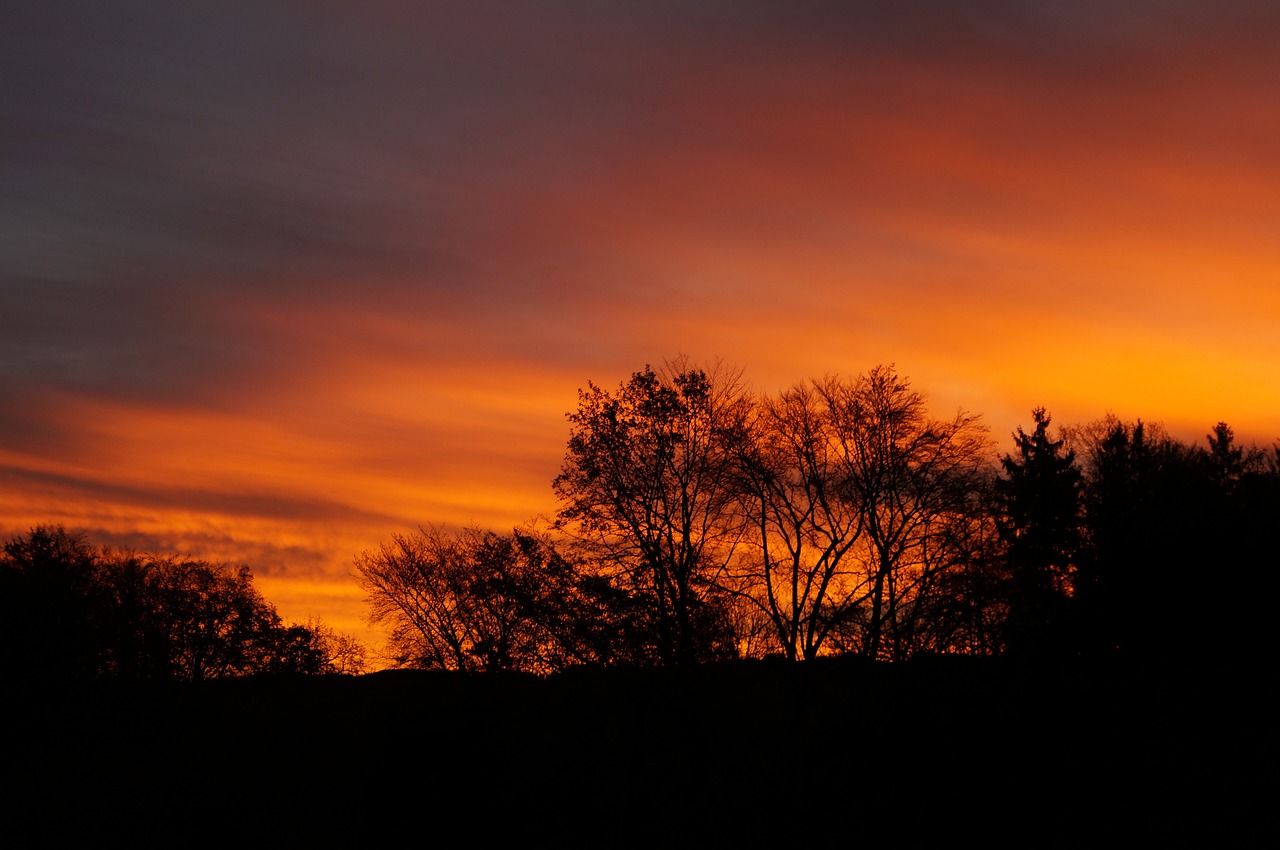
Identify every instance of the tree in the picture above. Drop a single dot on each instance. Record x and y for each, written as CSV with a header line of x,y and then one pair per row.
x,y
73,612
215,622
337,652
49,606
1164,522
1149,503
868,520
968,602
1039,521
918,482
648,487
474,600
804,523
418,586
1228,460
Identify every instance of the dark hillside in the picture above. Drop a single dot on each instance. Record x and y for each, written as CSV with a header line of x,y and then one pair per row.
x,y
937,746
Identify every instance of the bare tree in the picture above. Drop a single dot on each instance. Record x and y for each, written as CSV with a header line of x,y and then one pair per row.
x,y
914,478
793,474
419,586
338,652
648,486
863,510
476,600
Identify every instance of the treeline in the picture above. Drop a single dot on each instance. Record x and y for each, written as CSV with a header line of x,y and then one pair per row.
x,y
70,612
698,521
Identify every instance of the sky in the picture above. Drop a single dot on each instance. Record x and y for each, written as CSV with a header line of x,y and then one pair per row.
x,y
279,280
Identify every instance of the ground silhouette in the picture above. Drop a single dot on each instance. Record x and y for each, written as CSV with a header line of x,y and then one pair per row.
x,y
839,748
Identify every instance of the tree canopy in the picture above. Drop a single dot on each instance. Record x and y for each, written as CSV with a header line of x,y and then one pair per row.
x,y
700,521
74,612
648,486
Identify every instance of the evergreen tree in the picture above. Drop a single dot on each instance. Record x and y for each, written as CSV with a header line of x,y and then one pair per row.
x,y
1039,500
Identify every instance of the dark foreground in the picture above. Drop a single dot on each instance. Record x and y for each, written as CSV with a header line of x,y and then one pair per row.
x,y
940,750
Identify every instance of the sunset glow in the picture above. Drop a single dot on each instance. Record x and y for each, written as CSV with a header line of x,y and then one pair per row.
x,y
279,282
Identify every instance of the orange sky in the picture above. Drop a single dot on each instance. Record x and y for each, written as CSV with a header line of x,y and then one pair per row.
x,y
278,283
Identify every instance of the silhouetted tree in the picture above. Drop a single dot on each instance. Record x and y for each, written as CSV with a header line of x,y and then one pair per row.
x,y
1116,561
336,652
648,488
475,600
1151,535
1228,460
49,606
1243,521
968,605
418,585
217,624
1039,521
70,611
915,479
804,519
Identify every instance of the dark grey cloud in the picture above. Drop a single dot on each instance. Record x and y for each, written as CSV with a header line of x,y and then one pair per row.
x,y
243,505
163,165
